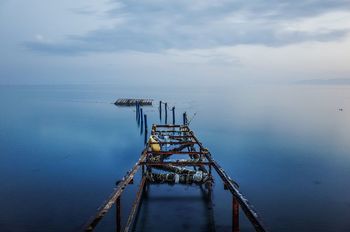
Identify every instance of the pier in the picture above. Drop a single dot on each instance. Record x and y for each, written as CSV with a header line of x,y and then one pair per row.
x,y
174,155
133,102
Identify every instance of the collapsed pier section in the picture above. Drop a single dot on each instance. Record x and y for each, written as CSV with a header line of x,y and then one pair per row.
x,y
174,155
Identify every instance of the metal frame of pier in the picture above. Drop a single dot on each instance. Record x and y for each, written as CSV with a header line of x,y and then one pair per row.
x,y
165,167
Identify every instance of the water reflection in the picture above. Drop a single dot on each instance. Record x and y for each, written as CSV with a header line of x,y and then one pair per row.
x,y
287,146
169,212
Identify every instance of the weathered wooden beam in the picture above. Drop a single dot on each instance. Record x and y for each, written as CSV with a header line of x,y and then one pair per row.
x,y
92,223
135,207
180,136
171,131
247,208
176,163
235,214
176,152
175,143
166,125
118,215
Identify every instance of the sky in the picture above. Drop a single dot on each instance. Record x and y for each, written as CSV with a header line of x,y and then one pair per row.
x,y
173,41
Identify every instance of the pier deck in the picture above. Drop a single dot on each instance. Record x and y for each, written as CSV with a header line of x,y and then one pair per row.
x,y
162,162
133,102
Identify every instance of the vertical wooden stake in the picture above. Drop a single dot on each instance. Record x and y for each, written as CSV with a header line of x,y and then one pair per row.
x,y
184,118
173,109
146,130
118,215
141,118
160,110
141,114
137,111
235,214
166,113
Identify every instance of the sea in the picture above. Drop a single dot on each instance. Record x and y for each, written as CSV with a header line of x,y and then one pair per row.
x,y
64,147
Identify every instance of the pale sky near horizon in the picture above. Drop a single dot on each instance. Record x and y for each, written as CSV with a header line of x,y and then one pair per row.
x,y
199,41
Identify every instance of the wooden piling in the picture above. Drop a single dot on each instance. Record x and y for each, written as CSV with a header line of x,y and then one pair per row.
x,y
118,215
160,110
166,113
173,109
145,123
135,207
141,118
141,115
184,118
235,214
137,111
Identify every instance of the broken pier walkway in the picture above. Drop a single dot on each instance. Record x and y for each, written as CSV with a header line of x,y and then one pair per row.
x,y
160,164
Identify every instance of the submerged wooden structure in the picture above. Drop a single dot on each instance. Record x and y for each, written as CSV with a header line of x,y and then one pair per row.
x,y
133,102
162,162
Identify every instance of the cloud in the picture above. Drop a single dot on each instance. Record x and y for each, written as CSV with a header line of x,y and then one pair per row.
x,y
158,25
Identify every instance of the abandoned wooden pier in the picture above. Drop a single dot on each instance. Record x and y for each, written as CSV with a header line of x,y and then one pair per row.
x,y
162,162
133,102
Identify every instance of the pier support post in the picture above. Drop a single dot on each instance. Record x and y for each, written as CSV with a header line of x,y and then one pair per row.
x,y
235,214
160,110
146,130
184,117
137,111
141,115
173,109
118,215
166,113
141,118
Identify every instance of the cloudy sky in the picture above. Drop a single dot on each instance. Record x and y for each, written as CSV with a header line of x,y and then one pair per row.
x,y
113,41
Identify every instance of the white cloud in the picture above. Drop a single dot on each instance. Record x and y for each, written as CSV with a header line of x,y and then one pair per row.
x,y
90,40
337,20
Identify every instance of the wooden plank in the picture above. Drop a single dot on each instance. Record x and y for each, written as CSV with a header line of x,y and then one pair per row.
x,y
135,207
92,223
187,163
247,208
176,153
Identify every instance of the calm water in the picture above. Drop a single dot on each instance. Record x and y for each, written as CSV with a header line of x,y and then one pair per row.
x,y
62,149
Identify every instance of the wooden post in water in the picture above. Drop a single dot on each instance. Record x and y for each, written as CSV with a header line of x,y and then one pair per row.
x,y
184,117
160,110
141,118
166,113
118,215
173,109
146,130
141,115
137,111
235,214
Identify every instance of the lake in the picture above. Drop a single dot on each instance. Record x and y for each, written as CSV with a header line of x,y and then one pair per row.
x,y
62,148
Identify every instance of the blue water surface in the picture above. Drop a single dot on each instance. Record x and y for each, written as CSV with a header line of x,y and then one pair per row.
x,y
62,148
